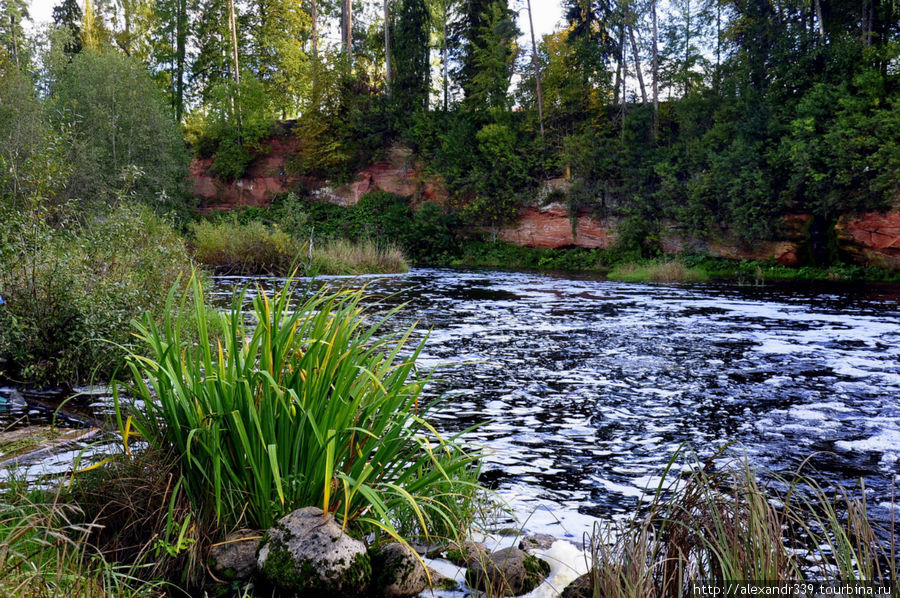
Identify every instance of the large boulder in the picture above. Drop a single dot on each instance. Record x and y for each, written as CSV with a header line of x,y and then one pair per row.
x,y
398,572
307,554
507,572
235,558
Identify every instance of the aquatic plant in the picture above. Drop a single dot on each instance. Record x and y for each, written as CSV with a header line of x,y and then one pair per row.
x,y
657,271
231,247
719,524
360,257
300,402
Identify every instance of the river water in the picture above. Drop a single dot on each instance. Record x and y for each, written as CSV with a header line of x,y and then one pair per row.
x,y
585,387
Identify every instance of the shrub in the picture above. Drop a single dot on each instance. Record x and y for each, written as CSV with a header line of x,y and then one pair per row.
x,y
306,406
70,294
251,248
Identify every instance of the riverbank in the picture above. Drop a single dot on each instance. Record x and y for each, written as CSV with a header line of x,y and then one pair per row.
x,y
624,266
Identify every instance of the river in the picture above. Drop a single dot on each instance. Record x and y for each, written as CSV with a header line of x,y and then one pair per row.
x,y
585,387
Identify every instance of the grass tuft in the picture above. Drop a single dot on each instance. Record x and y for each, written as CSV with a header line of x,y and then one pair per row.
x,y
360,257
663,271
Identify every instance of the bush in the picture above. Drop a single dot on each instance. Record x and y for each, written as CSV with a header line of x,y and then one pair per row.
x,y
70,294
305,406
252,248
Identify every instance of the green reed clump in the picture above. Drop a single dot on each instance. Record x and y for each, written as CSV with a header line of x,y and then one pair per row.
x,y
231,247
341,256
657,271
308,404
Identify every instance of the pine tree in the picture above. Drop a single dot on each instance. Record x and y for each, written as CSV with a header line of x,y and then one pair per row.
x,y
411,40
67,14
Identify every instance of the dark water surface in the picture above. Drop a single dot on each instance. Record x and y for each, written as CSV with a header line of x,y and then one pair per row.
x,y
589,386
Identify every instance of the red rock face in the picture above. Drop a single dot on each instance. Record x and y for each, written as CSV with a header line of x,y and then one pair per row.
x,y
265,177
872,238
268,176
551,227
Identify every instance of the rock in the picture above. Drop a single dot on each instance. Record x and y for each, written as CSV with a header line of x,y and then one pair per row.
x,y
439,581
397,571
583,587
507,572
537,542
307,554
463,554
235,558
551,227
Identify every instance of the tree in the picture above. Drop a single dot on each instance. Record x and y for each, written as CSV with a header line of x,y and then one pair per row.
x,y
411,45
487,31
123,134
169,38
12,35
278,31
67,15
537,72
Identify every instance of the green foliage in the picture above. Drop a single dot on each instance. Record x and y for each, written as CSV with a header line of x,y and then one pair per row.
x,y
252,248
121,132
409,89
308,406
71,292
33,167
233,129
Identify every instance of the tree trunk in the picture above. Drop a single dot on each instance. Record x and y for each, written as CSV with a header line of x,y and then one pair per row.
x,y
624,66
820,20
444,52
347,28
655,69
387,49
637,65
537,73
180,52
314,16
15,41
234,46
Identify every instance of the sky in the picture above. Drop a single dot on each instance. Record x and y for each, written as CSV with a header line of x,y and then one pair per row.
x,y
547,14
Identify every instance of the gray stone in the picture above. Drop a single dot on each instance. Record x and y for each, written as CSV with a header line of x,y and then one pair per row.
x,y
466,552
308,555
537,542
397,572
582,587
439,581
507,572
235,558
